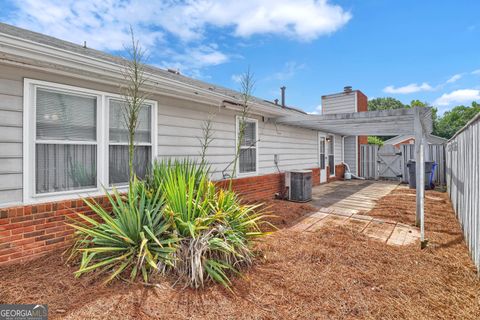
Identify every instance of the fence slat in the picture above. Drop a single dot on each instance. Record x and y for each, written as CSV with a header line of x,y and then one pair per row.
x,y
463,183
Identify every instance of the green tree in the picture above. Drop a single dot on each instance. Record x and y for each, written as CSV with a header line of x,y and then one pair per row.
x,y
455,119
375,140
385,103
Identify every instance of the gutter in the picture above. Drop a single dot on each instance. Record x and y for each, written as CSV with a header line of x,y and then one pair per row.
x,y
100,70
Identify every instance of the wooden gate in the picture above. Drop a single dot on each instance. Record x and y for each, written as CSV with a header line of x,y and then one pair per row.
x,y
389,162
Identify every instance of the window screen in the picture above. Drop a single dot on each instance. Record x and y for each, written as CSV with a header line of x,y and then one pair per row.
x,y
118,130
248,148
65,142
118,148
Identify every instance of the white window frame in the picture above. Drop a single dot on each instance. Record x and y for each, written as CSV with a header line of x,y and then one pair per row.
x,y
140,144
29,140
237,129
333,154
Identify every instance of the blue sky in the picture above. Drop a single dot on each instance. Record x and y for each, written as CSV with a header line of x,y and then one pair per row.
x,y
427,50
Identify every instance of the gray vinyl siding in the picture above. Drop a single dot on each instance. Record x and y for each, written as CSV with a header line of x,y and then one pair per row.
x,y
338,149
11,134
296,148
350,153
179,128
339,103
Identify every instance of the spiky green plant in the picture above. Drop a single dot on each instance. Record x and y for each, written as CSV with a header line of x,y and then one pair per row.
x,y
215,229
133,237
187,167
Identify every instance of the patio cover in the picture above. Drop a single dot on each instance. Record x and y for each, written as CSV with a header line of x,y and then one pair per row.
x,y
416,121
374,123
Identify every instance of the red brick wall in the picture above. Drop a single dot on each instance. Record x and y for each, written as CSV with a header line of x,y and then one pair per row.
x,y
27,232
263,187
362,106
339,173
362,102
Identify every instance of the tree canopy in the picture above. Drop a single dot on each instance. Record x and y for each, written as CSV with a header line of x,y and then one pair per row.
x,y
385,103
444,126
455,119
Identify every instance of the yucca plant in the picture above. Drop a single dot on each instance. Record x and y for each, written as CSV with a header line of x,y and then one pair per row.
x,y
187,167
133,237
215,230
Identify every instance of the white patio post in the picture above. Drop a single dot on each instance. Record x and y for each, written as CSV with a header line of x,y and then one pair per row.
x,y
420,178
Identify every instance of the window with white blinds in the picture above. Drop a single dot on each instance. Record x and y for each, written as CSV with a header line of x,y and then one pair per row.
x,y
247,161
118,143
76,141
65,141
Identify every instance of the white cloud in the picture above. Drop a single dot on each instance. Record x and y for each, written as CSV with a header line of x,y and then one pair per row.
x,y
237,78
289,70
476,72
454,78
458,96
191,60
318,110
411,88
104,24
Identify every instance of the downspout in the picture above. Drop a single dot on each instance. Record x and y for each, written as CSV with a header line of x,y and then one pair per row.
x,y
343,148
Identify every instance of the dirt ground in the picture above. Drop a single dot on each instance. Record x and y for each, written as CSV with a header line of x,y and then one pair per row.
x,y
331,274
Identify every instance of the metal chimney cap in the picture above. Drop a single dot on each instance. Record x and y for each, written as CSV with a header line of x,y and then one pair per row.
x,y
347,89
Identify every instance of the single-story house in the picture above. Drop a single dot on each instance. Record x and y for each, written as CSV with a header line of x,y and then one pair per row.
x,y
61,136
410,139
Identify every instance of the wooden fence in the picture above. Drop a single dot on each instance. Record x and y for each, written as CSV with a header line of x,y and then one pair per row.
x,y
370,162
463,183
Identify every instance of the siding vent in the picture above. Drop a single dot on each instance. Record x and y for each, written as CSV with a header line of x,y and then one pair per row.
x,y
174,71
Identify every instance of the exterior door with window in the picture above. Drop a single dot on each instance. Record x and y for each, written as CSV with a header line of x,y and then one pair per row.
x,y
322,157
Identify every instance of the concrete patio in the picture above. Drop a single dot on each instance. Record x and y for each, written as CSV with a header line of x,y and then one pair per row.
x,y
344,203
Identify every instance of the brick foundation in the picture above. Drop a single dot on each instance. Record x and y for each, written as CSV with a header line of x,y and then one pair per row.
x,y
263,187
339,173
27,232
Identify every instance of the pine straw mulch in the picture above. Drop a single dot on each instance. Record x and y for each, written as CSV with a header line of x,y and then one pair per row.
x,y
334,273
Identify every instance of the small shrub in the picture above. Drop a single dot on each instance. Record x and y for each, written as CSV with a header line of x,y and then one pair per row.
x,y
176,221
375,140
135,237
215,229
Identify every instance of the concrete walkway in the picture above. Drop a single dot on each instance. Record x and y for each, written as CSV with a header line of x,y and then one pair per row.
x,y
342,203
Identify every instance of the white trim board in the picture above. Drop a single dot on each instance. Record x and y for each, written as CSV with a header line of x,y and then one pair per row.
x,y
253,173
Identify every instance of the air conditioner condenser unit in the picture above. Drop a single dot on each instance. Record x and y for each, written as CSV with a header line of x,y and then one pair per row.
x,y
299,185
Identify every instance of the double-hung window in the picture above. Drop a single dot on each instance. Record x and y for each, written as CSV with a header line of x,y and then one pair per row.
x,y
247,161
76,141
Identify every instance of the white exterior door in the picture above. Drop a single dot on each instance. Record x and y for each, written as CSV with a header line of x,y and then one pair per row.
x,y
322,157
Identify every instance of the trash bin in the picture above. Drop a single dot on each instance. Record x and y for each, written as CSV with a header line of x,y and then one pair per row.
x,y
429,174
